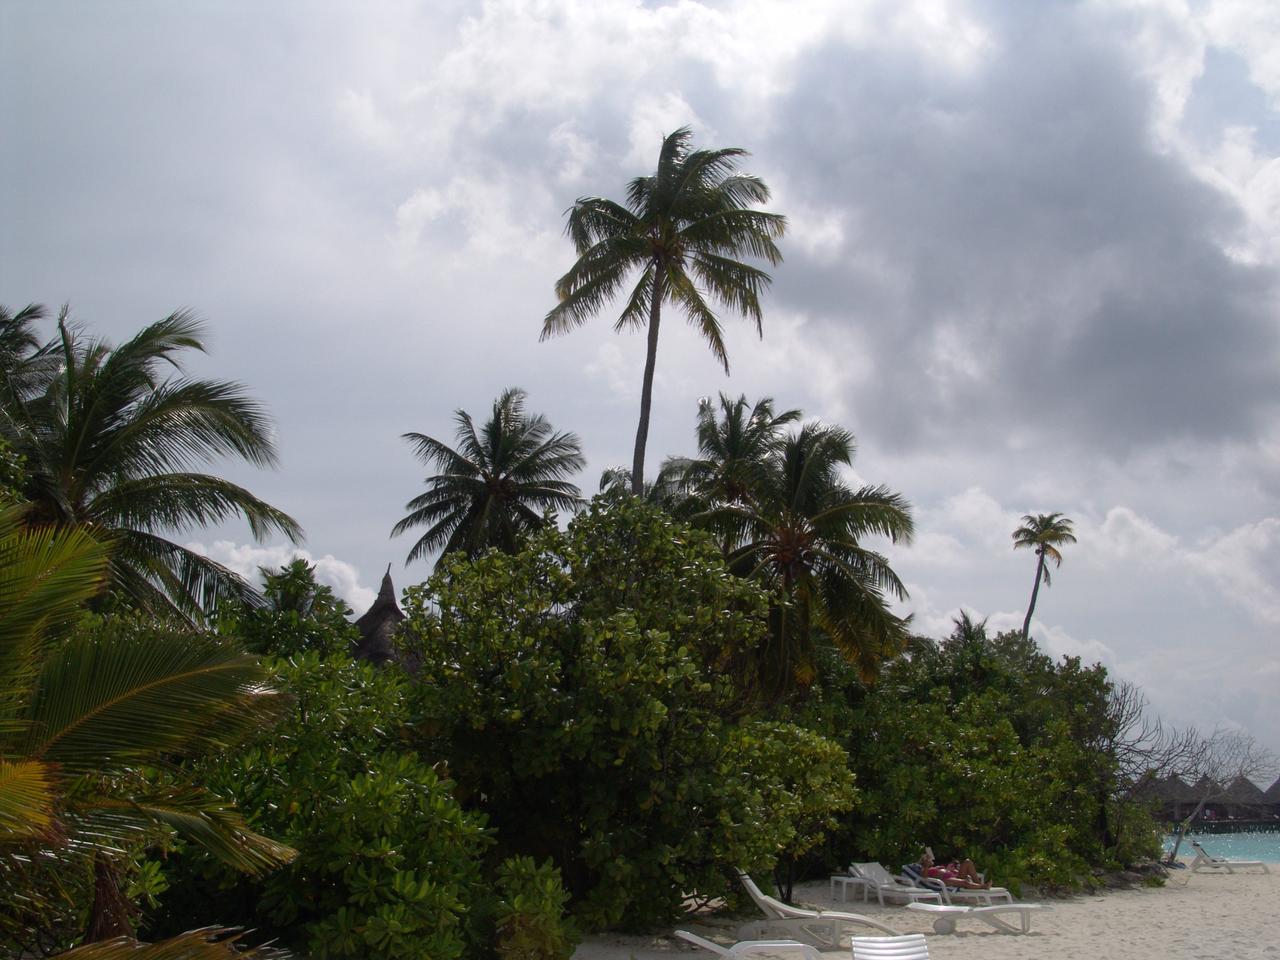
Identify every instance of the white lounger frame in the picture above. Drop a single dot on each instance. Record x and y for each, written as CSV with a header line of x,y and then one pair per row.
x,y
945,917
1203,861
824,929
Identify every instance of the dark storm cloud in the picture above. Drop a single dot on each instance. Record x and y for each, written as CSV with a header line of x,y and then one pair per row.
x,y
1025,205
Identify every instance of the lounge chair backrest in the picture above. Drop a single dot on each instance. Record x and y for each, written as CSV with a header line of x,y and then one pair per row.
x,y
753,948
768,905
874,872
911,947
703,942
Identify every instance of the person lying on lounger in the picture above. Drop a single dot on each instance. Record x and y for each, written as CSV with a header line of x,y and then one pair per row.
x,y
961,874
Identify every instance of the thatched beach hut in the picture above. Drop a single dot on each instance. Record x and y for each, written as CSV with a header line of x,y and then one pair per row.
x,y
1271,799
1175,800
1243,800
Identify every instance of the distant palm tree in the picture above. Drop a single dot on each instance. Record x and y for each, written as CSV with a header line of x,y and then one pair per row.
x,y
1042,532
496,486
803,532
109,440
683,229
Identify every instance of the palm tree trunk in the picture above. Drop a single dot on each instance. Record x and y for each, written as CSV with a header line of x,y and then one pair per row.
x,y
1026,624
646,389
111,915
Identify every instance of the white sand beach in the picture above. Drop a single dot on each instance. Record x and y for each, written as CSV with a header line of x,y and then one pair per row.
x,y
1194,917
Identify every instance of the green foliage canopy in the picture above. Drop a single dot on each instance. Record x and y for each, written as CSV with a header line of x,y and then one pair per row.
x,y
388,863
578,690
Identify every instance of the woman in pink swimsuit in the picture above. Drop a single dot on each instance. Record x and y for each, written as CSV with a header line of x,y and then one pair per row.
x,y
963,874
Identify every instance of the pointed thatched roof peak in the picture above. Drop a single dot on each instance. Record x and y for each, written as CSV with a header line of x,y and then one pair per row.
x,y
378,624
1244,790
1173,789
1273,792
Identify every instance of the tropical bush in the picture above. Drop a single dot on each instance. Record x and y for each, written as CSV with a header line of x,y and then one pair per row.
x,y
387,860
980,747
299,616
531,912
578,690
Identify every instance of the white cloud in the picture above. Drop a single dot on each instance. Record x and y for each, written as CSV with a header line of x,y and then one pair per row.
x,y
655,116
360,113
248,560
1242,563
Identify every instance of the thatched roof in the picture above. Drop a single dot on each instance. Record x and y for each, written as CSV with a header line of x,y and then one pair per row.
x,y
1172,789
1206,787
379,623
1244,790
1272,794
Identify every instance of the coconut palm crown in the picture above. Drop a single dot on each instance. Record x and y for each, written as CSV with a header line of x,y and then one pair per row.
x,y
735,450
802,532
110,437
680,233
498,484
1043,533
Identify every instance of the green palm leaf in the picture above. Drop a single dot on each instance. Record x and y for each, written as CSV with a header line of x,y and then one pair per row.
x,y
799,528
28,800
193,813
117,696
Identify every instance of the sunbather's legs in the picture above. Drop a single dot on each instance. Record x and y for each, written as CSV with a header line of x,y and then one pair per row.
x,y
967,877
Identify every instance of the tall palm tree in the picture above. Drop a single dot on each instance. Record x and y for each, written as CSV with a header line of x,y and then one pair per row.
x,y
1044,533
496,486
110,442
803,532
683,229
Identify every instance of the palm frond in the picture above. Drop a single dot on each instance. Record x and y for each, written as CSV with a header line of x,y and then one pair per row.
x,y
162,577
184,501
28,800
207,943
682,291
47,574
194,814
117,696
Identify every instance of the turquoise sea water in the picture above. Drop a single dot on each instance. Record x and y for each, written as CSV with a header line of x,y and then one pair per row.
x,y
1247,845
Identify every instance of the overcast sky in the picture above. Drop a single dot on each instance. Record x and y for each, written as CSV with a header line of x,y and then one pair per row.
x,y
1033,264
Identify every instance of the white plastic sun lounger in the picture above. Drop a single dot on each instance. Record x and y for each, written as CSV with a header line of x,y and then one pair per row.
x,y
910,947
887,885
821,928
1203,861
754,948
945,917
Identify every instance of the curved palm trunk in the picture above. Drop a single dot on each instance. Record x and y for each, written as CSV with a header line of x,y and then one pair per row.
x,y
1035,591
646,389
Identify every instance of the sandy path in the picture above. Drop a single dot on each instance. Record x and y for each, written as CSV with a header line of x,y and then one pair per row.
x,y
1212,917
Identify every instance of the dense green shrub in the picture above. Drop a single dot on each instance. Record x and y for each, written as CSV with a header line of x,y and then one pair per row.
x,y
300,616
980,747
387,860
531,912
579,693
